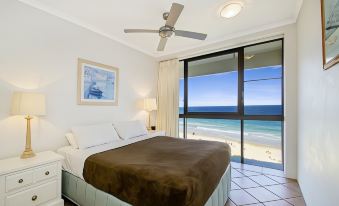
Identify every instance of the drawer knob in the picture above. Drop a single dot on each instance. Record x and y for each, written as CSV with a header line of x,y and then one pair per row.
x,y
35,197
47,173
21,181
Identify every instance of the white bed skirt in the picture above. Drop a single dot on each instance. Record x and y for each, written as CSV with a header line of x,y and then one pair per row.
x,y
81,193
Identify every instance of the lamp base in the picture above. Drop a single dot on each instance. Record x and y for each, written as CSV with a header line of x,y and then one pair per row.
x,y
27,154
28,148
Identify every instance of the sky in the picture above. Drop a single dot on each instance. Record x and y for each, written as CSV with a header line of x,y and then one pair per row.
x,y
222,89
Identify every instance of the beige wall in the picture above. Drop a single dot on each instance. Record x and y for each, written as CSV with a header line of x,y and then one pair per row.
x,y
318,112
39,52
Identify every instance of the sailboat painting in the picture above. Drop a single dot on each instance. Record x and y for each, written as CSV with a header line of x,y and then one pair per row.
x,y
330,32
97,83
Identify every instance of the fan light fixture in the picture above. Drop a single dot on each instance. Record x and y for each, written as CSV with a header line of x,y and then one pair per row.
x,y
231,9
168,30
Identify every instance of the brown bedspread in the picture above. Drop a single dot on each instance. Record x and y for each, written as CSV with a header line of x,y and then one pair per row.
x,y
161,171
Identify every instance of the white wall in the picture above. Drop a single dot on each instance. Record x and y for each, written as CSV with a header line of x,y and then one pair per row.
x,y
318,113
39,52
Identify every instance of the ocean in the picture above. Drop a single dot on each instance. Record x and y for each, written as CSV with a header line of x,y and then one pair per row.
x,y
267,133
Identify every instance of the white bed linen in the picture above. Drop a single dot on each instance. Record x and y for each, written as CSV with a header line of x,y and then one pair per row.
x,y
75,158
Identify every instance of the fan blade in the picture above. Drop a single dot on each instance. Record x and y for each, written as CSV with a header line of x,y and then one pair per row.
x,y
190,34
162,44
140,31
174,14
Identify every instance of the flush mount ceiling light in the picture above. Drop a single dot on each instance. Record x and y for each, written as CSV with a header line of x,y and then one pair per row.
x,y
231,9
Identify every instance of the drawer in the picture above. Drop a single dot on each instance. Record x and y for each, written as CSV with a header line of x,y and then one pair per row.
x,y
34,196
18,180
45,172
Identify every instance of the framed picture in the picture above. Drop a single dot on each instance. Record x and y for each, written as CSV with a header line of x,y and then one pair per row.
x,y
330,32
97,83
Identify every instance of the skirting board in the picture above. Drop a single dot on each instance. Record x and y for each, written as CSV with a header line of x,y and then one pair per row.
x,y
81,193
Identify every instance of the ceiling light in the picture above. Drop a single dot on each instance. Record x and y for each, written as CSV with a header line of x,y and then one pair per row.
x,y
231,9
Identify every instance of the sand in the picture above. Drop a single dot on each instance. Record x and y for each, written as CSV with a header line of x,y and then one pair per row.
x,y
251,150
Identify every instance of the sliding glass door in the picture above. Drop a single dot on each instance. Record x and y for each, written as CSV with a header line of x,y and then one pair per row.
x,y
236,97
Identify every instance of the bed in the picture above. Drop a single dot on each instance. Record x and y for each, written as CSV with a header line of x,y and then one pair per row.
x,y
147,175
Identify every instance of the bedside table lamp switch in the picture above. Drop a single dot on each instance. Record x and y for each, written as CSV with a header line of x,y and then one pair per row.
x,y
28,104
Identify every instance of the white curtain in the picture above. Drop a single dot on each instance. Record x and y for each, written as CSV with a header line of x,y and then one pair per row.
x,y
168,97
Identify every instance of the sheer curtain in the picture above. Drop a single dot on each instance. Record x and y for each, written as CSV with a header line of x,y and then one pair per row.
x,y
168,97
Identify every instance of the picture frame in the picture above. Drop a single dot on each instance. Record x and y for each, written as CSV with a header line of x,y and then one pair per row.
x,y
97,83
330,32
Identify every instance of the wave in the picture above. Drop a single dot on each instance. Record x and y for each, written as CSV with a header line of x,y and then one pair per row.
x,y
218,130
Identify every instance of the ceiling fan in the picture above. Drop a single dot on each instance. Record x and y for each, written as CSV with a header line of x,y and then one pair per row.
x,y
166,31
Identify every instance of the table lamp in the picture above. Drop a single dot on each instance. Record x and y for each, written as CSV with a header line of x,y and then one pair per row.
x,y
28,104
150,104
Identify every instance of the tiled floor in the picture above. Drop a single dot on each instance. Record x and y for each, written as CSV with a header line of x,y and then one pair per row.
x,y
257,186
253,186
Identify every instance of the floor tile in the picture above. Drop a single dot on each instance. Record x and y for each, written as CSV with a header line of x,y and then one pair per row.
x,y
277,203
229,203
234,186
248,173
262,194
282,191
245,182
297,201
251,168
293,186
257,204
240,197
273,172
263,180
235,173
281,180
235,165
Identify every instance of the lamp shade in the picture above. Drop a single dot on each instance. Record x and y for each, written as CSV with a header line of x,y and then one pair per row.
x,y
28,104
150,104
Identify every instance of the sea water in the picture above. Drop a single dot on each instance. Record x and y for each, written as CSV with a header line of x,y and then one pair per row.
x,y
267,133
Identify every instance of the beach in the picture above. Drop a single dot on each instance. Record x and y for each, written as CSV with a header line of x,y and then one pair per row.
x,y
262,142
251,151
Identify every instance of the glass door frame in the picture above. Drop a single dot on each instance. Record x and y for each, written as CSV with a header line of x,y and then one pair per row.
x,y
239,115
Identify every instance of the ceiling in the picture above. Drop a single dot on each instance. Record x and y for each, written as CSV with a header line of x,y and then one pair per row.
x,y
110,17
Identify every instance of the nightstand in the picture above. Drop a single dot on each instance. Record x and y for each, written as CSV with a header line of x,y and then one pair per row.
x,y
30,182
154,133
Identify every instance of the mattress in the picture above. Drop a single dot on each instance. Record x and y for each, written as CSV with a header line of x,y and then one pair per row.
x,y
75,158
82,193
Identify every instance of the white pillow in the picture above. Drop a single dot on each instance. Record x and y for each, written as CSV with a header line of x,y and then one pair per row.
x,y
130,129
93,135
71,140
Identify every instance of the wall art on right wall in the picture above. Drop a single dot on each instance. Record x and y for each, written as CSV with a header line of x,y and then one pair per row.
x,y
330,32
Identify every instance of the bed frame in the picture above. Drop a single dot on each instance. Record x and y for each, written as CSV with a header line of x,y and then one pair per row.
x,y
81,193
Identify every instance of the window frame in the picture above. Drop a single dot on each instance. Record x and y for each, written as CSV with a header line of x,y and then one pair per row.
x,y
239,115
206,56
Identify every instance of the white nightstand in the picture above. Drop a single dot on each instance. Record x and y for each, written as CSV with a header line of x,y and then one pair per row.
x,y
154,133
32,181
